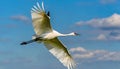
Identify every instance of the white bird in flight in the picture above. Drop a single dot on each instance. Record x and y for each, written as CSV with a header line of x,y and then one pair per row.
x,y
45,34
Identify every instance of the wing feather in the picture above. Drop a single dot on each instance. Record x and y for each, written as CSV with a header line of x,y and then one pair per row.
x,y
60,52
41,21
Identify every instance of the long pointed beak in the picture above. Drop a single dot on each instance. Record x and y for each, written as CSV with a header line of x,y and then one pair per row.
x,y
77,34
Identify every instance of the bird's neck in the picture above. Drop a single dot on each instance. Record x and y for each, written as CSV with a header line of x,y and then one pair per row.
x,y
70,34
59,34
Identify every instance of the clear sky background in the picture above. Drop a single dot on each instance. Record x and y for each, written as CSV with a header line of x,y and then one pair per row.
x,y
98,22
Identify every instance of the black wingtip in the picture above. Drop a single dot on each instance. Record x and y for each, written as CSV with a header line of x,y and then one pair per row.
x,y
48,13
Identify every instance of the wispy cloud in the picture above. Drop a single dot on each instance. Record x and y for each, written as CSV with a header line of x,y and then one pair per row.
x,y
112,35
82,54
108,27
96,3
22,18
84,3
5,52
16,60
101,37
19,17
107,1
112,22
5,40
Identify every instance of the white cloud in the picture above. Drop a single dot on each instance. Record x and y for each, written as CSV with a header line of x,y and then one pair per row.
x,y
78,49
20,18
101,37
109,36
115,37
81,50
114,56
85,55
96,55
106,25
103,23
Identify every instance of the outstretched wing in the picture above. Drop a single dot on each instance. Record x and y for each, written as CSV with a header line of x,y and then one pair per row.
x,y
41,21
60,52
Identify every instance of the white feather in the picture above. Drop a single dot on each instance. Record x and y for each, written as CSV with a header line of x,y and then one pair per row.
x,y
35,8
43,6
60,52
38,6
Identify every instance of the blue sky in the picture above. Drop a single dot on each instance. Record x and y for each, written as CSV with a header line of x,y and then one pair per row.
x,y
97,21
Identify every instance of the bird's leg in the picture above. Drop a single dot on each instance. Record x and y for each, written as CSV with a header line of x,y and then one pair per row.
x,y
30,41
27,42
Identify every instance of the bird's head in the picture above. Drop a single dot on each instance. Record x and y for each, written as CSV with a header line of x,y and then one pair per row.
x,y
75,34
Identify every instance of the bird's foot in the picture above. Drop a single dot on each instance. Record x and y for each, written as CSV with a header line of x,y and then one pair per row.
x,y
23,43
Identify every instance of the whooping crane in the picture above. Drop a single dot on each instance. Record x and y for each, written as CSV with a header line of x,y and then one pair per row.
x,y
45,34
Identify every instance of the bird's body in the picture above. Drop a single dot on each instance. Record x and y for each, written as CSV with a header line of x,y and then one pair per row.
x,y
51,35
45,34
